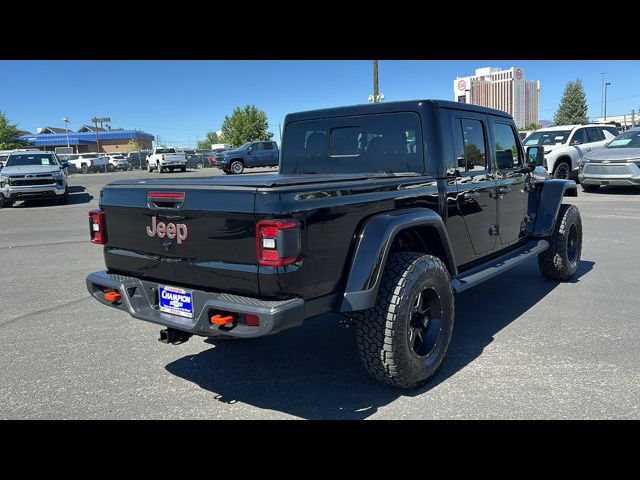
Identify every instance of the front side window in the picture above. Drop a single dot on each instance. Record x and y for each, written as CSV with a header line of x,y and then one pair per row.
x,y
579,137
507,153
376,143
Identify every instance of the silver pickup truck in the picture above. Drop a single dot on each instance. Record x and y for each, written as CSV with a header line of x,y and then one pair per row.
x,y
31,175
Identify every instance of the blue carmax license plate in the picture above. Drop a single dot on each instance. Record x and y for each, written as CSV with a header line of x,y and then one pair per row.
x,y
176,301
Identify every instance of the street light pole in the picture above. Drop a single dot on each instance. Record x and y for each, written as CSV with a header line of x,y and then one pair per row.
x,y
376,97
605,100
66,128
602,93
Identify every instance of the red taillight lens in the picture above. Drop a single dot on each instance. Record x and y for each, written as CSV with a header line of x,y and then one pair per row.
x,y
277,242
97,227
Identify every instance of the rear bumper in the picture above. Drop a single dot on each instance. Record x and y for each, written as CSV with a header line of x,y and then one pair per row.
x,y
139,299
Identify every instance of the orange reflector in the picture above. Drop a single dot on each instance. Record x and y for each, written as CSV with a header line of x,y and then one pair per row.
x,y
112,296
220,320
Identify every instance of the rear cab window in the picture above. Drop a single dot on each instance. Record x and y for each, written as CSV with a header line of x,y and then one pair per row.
x,y
375,143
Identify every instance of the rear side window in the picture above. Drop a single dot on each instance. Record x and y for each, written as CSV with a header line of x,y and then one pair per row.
x,y
267,146
389,143
595,134
612,130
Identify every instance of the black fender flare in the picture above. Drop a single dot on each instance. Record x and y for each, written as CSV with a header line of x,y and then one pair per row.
x,y
374,242
549,203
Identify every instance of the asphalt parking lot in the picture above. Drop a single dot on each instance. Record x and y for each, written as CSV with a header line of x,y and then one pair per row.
x,y
523,347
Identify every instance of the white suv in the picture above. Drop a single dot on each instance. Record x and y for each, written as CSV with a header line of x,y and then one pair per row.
x,y
565,145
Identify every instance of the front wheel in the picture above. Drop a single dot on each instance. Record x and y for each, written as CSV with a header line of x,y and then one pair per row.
x,y
149,168
403,339
64,199
4,203
560,261
562,170
236,167
183,169
84,168
111,168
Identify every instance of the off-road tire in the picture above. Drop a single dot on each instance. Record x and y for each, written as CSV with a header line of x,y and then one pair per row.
x,y
561,260
382,332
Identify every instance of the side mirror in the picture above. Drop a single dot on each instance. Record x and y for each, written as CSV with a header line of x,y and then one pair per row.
x,y
249,150
535,156
65,164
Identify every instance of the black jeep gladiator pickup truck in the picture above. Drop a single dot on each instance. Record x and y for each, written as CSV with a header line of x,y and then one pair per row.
x,y
380,212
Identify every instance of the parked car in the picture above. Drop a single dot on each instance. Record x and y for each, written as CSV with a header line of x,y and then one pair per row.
x,y
89,162
31,175
565,145
195,160
137,159
114,158
361,220
249,155
123,164
618,163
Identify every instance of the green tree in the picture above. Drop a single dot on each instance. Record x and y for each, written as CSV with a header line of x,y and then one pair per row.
x,y
532,126
9,134
573,106
134,146
211,138
246,124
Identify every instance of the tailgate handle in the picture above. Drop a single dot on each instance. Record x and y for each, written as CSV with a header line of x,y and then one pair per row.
x,y
171,200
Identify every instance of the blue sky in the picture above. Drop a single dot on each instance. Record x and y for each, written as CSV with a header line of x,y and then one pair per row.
x,y
182,100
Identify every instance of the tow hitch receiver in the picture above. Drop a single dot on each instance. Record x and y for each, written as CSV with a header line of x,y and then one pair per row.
x,y
173,336
112,296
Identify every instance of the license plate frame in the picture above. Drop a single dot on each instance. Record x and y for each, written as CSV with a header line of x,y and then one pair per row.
x,y
175,300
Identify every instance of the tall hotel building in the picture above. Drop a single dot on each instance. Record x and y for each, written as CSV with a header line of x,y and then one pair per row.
x,y
505,90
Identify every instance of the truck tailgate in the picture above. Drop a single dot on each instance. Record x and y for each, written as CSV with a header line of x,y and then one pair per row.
x,y
206,240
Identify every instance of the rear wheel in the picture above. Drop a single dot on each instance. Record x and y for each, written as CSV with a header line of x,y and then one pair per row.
x,y
111,168
590,188
199,166
560,261
170,169
562,170
84,168
403,339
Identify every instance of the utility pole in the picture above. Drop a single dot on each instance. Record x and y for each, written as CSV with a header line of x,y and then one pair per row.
x,y
633,118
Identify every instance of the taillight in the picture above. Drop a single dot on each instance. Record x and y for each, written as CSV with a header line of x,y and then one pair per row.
x,y
163,158
97,227
277,242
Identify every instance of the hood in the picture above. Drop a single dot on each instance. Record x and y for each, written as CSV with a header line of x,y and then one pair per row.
x,y
231,152
613,154
25,169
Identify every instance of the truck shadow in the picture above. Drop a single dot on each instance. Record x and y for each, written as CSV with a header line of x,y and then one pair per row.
x,y
77,196
314,372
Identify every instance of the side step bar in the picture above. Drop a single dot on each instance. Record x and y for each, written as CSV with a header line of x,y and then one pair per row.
x,y
477,275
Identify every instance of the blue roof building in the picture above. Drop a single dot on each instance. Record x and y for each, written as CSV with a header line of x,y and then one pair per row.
x,y
84,140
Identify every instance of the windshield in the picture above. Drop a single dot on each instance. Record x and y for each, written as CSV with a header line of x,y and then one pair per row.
x,y
165,150
550,137
626,140
18,160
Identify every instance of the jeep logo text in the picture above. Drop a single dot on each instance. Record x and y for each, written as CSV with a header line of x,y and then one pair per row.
x,y
169,230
